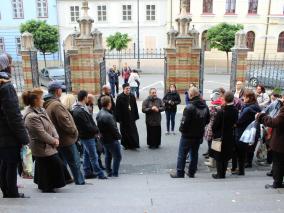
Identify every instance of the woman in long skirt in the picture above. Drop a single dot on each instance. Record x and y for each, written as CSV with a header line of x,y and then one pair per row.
x,y
49,169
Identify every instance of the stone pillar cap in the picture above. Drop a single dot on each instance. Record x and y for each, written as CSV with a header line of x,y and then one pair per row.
x,y
96,32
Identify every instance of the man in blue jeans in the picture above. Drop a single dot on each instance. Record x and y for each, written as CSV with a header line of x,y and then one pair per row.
x,y
87,135
110,137
195,117
66,128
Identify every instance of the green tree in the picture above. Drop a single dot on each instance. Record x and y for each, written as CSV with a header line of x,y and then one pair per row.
x,y
45,36
118,41
222,37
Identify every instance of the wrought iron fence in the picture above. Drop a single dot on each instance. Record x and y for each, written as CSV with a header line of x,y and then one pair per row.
x,y
133,54
269,73
18,76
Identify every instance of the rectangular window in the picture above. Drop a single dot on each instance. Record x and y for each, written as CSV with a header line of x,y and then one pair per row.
x,y
102,15
74,13
126,13
150,12
2,45
18,9
18,45
253,4
230,6
207,6
42,10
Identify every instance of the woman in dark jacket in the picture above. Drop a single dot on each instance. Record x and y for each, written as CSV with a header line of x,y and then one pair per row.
x,y
223,127
171,100
246,117
12,132
276,145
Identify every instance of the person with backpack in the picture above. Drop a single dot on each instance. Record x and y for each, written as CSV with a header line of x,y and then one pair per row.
x,y
195,117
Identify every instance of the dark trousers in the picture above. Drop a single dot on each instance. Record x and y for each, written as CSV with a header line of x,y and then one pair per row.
x,y
112,152
250,153
71,156
112,87
8,179
170,120
221,168
117,87
278,169
241,156
185,146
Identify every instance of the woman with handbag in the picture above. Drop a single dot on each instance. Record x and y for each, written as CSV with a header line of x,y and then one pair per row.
x,y
246,117
223,129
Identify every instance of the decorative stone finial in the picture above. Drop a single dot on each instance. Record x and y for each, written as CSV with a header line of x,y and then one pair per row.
x,y
172,34
195,34
98,40
27,41
183,20
240,40
85,21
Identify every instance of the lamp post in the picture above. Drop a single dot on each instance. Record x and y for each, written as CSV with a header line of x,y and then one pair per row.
x,y
138,36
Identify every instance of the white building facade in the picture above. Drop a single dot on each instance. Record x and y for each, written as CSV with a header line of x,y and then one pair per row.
x,y
111,16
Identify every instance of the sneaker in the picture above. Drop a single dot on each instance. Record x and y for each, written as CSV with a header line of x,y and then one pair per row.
x,y
167,133
175,175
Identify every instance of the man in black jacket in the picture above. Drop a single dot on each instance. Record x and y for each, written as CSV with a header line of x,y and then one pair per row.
x,y
12,133
87,134
110,137
106,91
195,117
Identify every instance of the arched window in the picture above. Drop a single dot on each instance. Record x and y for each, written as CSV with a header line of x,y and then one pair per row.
x,y
250,40
281,42
253,4
207,6
205,44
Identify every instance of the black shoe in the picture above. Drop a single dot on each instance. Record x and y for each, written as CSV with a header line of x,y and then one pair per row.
x,y
103,178
48,191
215,176
241,173
248,165
190,175
20,195
110,175
91,176
174,175
269,174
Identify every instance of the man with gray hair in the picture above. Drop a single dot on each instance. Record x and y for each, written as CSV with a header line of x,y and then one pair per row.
x,y
195,117
106,91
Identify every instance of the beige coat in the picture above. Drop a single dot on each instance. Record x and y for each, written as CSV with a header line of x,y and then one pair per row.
x,y
63,121
41,131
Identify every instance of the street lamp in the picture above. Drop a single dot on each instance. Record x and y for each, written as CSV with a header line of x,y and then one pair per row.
x,y
138,37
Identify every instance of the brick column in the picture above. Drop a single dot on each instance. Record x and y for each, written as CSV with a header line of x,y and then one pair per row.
x,y
29,61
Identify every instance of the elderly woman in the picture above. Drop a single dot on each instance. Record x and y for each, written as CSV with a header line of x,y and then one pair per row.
x,y
49,169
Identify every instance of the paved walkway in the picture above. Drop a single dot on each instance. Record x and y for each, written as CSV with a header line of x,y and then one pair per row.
x,y
144,186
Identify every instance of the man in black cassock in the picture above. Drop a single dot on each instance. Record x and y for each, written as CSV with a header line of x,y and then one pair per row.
x,y
126,115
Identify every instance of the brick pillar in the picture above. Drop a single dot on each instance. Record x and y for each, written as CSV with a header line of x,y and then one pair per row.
x,y
239,59
29,61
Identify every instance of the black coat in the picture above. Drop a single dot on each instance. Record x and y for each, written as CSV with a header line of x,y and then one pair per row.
x,y
153,118
246,116
126,109
85,123
108,127
12,130
195,117
174,99
223,127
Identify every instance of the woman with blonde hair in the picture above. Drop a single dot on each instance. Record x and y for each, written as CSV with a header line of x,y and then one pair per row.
x,y
49,169
68,101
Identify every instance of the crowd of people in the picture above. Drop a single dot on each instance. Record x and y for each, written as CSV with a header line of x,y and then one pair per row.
x,y
60,133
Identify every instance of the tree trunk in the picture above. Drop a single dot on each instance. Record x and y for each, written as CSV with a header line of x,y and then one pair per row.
x,y
44,59
227,53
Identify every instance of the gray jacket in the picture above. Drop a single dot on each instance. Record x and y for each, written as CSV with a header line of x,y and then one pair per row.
x,y
41,131
153,118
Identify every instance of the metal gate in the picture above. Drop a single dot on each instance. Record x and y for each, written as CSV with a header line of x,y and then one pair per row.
x,y
103,73
201,71
67,69
234,63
